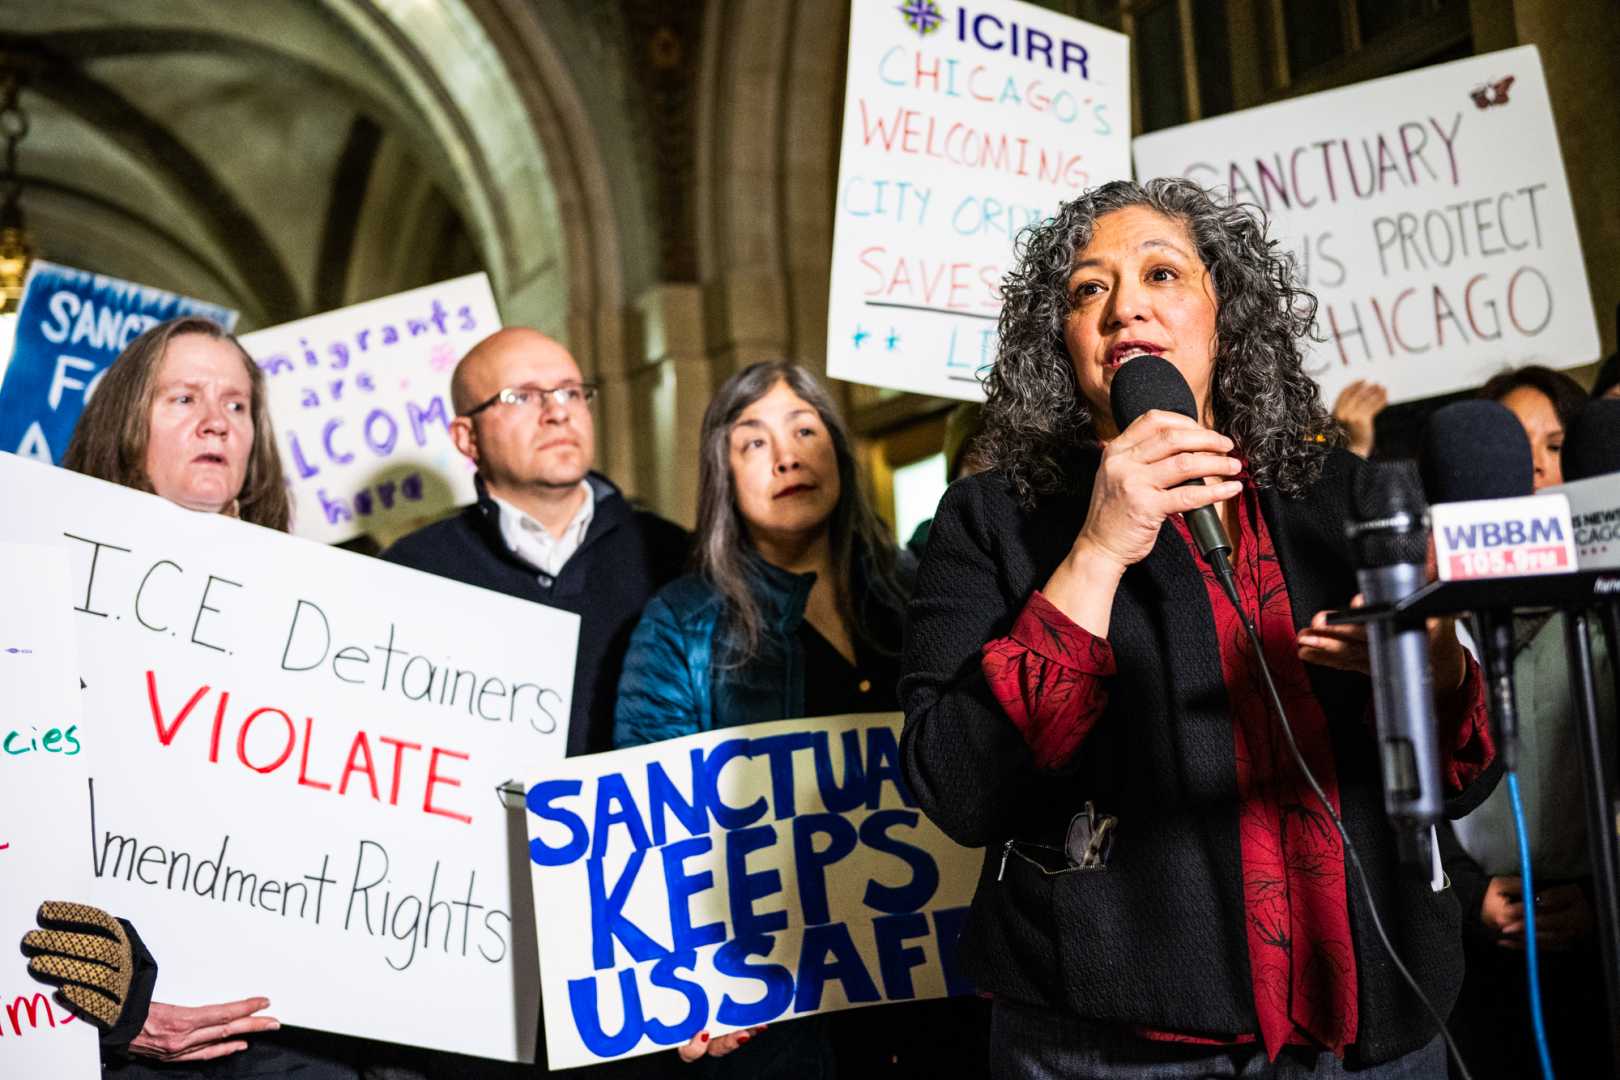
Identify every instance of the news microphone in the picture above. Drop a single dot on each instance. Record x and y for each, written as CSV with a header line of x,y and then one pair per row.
x,y
1389,543
1152,382
1592,443
1475,450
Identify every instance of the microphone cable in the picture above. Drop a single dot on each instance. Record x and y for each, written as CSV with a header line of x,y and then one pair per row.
x,y
1527,895
1223,574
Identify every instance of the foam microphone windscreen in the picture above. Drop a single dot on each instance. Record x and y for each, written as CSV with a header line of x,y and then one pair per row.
x,y
1592,443
1475,450
1380,492
1149,382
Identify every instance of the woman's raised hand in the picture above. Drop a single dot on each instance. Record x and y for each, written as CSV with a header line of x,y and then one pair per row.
x,y
1136,485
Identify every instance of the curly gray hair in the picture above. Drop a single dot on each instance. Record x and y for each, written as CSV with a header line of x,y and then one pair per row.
x,y
1035,416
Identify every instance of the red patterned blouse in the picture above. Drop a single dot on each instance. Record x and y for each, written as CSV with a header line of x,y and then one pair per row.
x,y
1050,676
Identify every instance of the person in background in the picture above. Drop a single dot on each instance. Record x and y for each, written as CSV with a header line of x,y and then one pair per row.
x,y
1546,403
1480,851
1356,409
182,413
962,424
794,610
550,529
546,526
1164,894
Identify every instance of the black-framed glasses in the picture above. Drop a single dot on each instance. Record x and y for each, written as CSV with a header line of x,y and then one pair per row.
x,y
524,397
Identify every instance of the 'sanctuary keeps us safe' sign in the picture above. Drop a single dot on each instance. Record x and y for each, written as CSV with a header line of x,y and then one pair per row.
x,y
1430,215
43,755
360,398
963,123
736,877
296,756
71,325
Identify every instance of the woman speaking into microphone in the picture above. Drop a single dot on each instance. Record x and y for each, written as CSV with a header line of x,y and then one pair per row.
x,y
1163,894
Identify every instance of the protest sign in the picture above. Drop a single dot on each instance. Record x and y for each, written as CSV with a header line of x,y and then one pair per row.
x,y
963,123
296,761
42,813
737,877
1429,213
360,399
70,326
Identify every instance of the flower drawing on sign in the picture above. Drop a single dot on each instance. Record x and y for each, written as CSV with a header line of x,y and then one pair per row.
x,y
922,16
1491,93
443,357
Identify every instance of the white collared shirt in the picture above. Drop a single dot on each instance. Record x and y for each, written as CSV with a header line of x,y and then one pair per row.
x,y
533,543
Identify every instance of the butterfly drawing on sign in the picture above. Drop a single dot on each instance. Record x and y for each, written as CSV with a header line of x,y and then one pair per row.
x,y
1492,93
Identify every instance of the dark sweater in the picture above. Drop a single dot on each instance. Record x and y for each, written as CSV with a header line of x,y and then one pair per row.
x,y
1156,939
627,555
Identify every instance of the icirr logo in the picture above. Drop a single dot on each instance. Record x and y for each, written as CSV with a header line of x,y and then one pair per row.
x,y
922,16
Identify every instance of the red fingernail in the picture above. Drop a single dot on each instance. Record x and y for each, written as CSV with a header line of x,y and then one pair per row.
x,y
743,1038
703,1037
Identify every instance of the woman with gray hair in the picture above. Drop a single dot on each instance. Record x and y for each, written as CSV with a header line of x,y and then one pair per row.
x,y
793,610
1164,893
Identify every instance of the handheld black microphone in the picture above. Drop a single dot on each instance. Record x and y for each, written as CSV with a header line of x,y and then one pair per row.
x,y
1152,382
1478,450
1592,443
1389,542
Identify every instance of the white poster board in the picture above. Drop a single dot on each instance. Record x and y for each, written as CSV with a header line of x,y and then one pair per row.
x,y
1430,215
360,399
737,877
298,750
962,125
42,809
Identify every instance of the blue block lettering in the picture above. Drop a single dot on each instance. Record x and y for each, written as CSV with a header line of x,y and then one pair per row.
x,y
607,915
895,957
729,817
664,798
924,873
828,954
732,959
666,973
841,798
539,800
812,864
681,887
747,886
588,1018
616,806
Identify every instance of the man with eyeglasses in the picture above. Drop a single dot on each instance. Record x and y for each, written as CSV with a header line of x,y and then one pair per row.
x,y
545,526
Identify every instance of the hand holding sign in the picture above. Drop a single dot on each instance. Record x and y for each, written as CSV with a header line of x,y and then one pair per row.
x,y
701,1046
181,1033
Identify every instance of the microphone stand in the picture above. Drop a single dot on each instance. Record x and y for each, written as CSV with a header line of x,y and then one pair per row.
x,y
1574,595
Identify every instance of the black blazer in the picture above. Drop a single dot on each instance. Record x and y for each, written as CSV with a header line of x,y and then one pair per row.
x,y
1157,938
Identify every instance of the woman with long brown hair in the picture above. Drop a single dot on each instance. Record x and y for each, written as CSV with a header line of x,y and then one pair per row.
x,y
181,413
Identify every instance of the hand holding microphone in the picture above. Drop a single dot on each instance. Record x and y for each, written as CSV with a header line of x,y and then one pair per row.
x,y
1157,466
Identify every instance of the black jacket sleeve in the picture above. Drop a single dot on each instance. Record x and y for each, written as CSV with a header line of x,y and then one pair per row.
x,y
967,765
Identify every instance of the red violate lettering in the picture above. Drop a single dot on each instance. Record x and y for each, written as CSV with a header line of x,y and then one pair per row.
x,y
303,760
242,738
360,745
411,778
433,778
166,734
219,722
399,755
